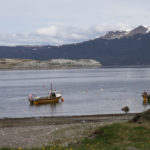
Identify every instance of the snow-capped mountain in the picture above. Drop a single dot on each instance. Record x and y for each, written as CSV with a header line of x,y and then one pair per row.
x,y
122,34
114,34
115,48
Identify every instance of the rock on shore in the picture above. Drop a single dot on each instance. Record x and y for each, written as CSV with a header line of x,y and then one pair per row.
x,y
48,64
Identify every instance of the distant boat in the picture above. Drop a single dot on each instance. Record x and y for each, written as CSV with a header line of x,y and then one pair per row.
x,y
146,97
53,97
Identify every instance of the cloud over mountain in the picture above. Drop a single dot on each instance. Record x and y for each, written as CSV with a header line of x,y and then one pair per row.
x,y
58,34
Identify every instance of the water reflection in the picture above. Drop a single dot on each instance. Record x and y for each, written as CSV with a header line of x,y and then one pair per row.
x,y
145,104
51,109
54,107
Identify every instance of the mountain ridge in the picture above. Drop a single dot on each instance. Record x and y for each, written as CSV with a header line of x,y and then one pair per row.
x,y
133,48
122,34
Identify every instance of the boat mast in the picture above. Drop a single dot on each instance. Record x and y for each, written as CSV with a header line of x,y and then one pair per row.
x,y
51,92
51,87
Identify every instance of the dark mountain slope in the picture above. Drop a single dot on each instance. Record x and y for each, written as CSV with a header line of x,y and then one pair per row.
x,y
132,50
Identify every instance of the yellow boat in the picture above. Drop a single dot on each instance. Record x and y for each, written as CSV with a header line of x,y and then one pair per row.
x,y
146,97
53,97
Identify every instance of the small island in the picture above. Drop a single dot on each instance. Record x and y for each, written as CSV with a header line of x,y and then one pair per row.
x,y
22,64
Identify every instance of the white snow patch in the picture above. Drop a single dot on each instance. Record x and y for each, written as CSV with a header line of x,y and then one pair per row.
x,y
148,29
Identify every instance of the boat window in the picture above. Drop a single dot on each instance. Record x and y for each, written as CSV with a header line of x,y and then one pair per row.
x,y
53,94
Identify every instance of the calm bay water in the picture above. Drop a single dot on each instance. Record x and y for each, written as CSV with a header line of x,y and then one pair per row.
x,y
85,91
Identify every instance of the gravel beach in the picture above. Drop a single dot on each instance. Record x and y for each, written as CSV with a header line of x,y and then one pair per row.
x,y
44,131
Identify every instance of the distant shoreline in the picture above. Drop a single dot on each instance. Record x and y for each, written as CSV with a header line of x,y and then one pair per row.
x,y
126,66
74,68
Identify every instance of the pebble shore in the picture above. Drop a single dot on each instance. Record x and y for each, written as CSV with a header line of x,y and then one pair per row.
x,y
46,131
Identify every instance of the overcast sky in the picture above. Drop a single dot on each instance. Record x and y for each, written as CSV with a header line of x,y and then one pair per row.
x,y
58,22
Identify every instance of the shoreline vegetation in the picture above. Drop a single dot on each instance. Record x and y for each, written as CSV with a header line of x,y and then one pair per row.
x,y
26,64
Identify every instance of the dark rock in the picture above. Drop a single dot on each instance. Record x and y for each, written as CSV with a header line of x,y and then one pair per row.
x,y
125,109
136,118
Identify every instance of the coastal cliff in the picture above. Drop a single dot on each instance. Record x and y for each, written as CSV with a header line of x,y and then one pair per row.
x,y
48,64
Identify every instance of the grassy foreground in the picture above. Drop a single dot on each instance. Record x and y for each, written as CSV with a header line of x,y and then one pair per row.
x,y
133,135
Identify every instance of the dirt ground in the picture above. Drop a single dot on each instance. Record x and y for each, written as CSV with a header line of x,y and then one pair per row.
x,y
46,131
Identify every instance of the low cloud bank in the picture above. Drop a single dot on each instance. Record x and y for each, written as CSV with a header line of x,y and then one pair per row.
x,y
58,35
